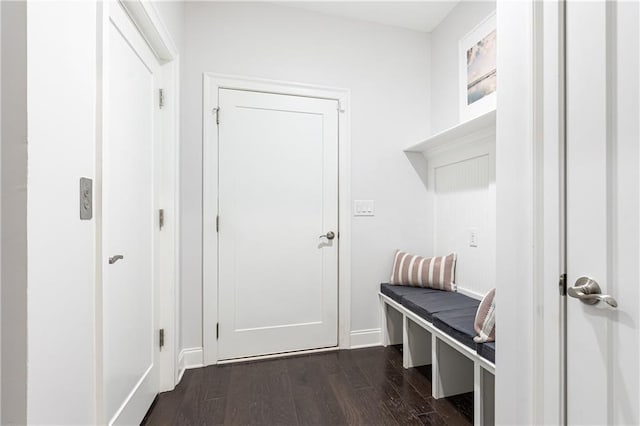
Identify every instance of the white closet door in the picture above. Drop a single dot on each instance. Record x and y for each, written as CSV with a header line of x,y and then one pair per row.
x,y
603,212
129,344
278,201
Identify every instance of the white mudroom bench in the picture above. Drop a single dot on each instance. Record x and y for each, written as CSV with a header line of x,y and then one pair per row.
x,y
435,327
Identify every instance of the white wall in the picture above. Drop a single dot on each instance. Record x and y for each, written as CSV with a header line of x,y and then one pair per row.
x,y
515,286
445,63
464,199
61,99
387,70
172,15
14,209
61,249
469,198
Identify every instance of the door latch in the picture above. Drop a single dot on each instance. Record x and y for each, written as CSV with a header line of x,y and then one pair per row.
x,y
562,284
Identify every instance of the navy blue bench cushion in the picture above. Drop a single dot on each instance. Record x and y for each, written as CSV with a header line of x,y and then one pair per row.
x,y
458,324
398,292
487,351
426,304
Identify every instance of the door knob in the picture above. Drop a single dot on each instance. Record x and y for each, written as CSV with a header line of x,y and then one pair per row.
x,y
114,259
329,235
588,291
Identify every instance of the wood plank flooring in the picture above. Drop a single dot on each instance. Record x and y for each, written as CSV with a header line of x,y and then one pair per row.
x,y
362,386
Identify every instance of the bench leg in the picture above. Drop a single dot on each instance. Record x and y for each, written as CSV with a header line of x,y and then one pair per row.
x,y
484,397
452,372
383,322
417,345
478,404
390,324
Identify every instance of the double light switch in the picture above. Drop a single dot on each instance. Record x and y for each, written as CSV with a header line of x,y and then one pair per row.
x,y
363,208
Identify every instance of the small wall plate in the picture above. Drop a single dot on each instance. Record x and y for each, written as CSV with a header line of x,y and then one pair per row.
x,y
86,199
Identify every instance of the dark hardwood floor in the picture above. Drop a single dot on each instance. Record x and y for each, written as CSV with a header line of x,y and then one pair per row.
x,y
362,386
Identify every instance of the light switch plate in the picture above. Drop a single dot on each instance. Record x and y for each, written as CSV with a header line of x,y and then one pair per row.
x,y
363,208
86,199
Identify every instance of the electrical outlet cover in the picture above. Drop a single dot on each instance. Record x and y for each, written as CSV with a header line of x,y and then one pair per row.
x,y
473,237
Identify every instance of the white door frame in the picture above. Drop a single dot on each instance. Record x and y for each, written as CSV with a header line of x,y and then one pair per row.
x,y
211,83
530,203
146,18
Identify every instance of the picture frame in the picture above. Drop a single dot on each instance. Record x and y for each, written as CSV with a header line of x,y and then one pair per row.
x,y
478,70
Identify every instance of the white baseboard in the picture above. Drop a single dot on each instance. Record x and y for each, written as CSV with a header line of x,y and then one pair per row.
x,y
366,338
470,293
189,358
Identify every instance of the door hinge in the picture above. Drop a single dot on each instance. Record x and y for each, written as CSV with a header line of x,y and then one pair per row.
x,y
217,330
216,111
161,218
161,97
161,338
563,284
217,223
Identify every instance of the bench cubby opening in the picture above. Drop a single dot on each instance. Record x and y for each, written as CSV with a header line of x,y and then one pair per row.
x,y
484,396
392,325
416,349
452,371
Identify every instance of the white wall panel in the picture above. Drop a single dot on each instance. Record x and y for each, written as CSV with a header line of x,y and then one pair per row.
x,y
465,200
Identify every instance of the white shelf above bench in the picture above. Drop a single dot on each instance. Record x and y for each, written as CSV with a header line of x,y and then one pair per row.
x,y
464,132
470,139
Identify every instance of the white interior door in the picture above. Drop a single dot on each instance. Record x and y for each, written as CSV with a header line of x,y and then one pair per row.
x,y
603,215
278,201
130,347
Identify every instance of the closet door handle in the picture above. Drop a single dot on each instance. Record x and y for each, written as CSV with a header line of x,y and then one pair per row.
x,y
114,259
588,291
329,235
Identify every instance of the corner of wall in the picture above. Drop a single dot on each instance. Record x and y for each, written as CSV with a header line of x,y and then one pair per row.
x,y
189,358
14,213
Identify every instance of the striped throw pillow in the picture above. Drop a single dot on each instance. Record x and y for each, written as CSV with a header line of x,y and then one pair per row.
x,y
485,323
419,271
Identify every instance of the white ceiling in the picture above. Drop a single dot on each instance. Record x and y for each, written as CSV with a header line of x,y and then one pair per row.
x,y
421,16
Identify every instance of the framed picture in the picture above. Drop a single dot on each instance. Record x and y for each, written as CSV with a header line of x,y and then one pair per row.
x,y
478,76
